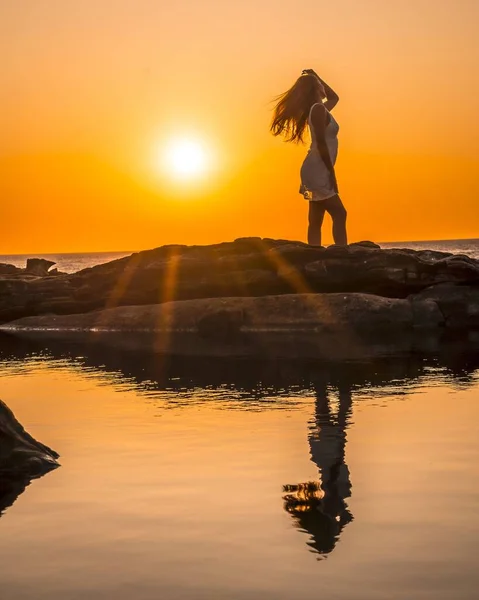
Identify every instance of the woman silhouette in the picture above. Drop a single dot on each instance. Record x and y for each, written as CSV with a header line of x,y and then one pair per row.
x,y
309,102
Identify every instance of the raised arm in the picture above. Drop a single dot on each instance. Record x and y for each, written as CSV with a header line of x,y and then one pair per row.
x,y
331,97
319,120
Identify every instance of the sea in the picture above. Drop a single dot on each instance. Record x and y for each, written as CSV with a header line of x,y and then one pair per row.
x,y
192,478
72,262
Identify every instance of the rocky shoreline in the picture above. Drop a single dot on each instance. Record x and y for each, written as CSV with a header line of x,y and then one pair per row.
x,y
250,287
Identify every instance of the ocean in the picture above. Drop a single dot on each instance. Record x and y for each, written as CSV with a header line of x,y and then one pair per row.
x,y
66,262
71,262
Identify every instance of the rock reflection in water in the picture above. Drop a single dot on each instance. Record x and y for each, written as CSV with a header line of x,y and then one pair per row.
x,y
319,507
150,372
11,489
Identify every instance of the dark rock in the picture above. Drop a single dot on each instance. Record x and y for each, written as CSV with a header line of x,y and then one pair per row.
x,y
20,453
427,314
38,266
22,458
354,316
366,244
247,267
459,304
220,324
9,269
55,272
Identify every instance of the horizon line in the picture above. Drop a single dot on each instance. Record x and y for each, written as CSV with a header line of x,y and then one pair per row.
x,y
53,253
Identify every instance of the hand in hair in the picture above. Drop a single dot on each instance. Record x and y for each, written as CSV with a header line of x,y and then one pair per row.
x,y
309,72
331,96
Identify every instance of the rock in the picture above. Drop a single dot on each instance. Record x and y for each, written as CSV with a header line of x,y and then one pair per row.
x,y
427,314
38,266
247,267
22,458
9,269
459,304
353,316
365,244
20,454
220,324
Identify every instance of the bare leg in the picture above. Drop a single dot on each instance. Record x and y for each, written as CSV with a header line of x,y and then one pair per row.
x,y
315,221
338,213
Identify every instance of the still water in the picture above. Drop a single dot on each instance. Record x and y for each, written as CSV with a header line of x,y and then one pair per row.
x,y
234,479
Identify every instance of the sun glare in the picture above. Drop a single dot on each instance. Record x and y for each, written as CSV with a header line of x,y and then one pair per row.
x,y
186,158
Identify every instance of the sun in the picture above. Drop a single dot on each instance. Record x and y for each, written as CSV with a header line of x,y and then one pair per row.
x,y
186,158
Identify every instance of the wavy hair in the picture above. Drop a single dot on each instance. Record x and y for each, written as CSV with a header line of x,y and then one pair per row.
x,y
292,108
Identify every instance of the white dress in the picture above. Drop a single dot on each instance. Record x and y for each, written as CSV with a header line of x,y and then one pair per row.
x,y
315,176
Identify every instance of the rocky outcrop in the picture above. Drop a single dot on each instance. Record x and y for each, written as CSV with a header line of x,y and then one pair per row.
x,y
9,270
38,266
459,304
249,267
224,317
22,458
20,453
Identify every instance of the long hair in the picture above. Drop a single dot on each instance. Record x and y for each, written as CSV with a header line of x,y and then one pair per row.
x,y
292,108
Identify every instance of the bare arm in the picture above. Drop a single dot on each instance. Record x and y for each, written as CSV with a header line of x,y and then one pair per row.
x,y
331,97
319,120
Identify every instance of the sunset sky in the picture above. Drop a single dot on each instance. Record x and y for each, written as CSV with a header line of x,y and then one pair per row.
x,y
93,94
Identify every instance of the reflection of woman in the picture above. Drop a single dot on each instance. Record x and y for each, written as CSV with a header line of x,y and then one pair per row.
x,y
327,442
320,508
309,102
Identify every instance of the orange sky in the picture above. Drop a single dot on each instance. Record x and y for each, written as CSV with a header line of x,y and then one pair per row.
x,y
90,92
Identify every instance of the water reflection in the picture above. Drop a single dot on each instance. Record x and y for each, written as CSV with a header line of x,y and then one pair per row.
x,y
320,508
456,362
10,490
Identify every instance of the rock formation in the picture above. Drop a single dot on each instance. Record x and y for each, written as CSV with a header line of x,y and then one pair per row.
x,y
9,270
38,266
22,458
20,453
255,284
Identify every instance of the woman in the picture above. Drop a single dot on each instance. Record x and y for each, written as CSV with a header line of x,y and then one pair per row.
x,y
309,102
